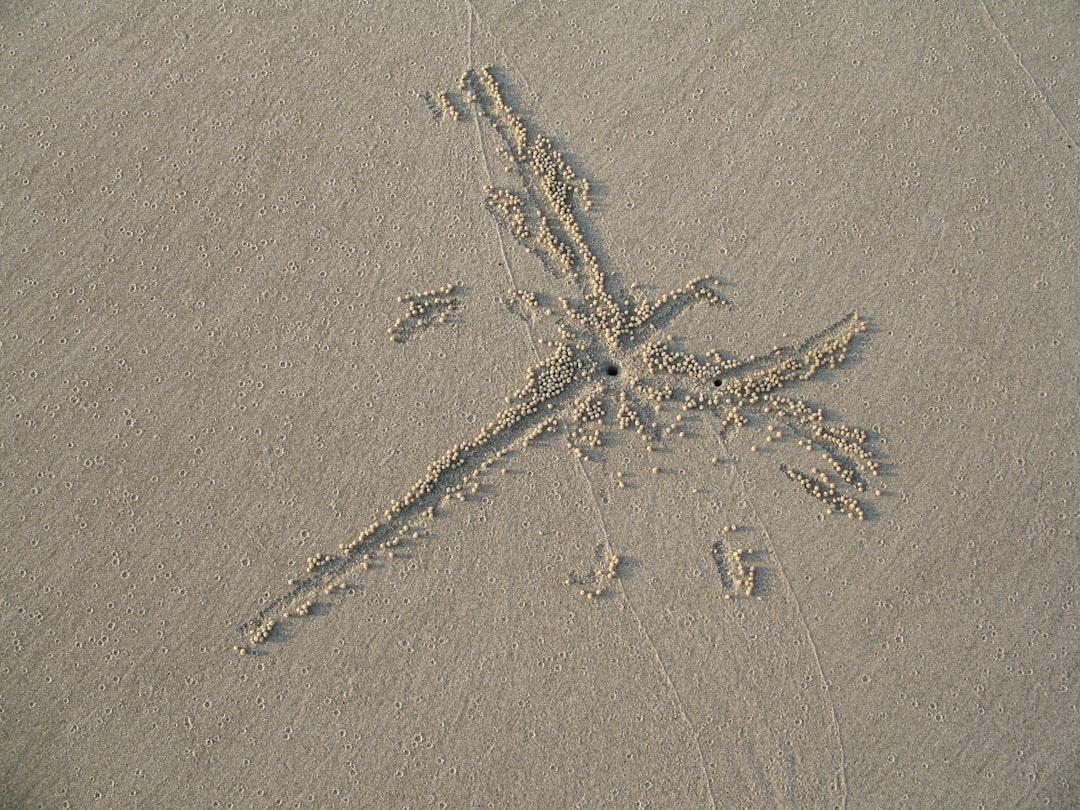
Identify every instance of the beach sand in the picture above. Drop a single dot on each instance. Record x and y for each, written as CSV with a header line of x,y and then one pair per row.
x,y
212,219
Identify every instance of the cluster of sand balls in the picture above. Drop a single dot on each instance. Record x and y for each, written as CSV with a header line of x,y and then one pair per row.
x,y
442,105
597,583
659,357
731,563
508,206
840,440
796,362
818,484
553,188
698,290
524,302
732,386
422,310
446,106
318,561
588,408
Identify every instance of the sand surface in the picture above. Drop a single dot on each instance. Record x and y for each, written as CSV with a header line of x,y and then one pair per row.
x,y
208,218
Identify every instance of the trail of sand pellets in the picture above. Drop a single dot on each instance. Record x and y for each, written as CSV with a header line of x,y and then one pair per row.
x,y
606,366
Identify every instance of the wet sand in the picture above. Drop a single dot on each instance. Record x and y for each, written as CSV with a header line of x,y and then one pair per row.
x,y
254,290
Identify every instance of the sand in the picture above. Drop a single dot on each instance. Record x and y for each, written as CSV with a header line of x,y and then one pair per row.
x,y
253,289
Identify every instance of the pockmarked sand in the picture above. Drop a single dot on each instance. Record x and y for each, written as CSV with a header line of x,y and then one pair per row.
x,y
538,367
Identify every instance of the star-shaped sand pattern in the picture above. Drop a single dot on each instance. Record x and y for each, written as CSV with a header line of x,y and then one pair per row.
x,y
608,366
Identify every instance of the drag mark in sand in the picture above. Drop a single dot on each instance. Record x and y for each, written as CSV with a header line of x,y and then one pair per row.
x,y
607,366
